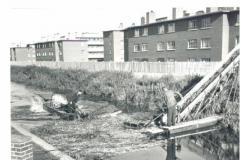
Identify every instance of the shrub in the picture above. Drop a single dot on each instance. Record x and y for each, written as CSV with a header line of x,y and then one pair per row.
x,y
121,88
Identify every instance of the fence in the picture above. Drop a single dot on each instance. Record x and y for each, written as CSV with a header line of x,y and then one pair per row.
x,y
173,68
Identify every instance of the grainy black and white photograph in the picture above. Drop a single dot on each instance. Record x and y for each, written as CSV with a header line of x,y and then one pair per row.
x,y
123,80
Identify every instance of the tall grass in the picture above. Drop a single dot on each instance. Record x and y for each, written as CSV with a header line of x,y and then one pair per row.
x,y
121,88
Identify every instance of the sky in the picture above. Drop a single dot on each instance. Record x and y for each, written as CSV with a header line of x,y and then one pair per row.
x,y
32,19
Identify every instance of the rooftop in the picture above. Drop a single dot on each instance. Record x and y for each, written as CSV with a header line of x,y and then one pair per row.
x,y
182,18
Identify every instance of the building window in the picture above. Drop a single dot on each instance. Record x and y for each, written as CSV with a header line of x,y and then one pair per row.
x,y
171,45
205,43
145,31
144,59
192,24
144,47
137,48
171,27
160,46
205,59
236,40
161,60
192,59
206,22
237,20
171,59
192,44
136,33
161,29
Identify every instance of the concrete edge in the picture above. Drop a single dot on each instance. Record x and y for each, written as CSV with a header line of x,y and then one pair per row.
x,y
52,150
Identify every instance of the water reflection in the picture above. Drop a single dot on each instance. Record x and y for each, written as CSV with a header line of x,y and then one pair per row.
x,y
220,144
171,149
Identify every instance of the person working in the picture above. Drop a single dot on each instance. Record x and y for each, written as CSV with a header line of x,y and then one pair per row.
x,y
171,98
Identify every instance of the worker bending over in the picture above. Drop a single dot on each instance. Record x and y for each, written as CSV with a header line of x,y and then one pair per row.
x,y
171,99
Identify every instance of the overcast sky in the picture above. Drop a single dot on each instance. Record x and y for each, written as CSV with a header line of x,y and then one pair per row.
x,y
32,19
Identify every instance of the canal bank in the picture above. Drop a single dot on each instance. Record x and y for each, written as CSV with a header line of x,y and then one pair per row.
x,y
107,138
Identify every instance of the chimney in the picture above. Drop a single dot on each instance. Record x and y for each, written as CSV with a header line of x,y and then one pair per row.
x,y
120,26
185,14
147,18
174,10
142,20
177,13
150,17
208,10
199,12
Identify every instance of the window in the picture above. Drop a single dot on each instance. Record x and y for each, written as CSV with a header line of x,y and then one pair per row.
x,y
205,59
144,47
192,44
171,45
144,59
145,31
136,33
205,43
171,27
192,24
137,48
191,59
206,22
161,29
160,46
160,59
237,20
236,40
171,59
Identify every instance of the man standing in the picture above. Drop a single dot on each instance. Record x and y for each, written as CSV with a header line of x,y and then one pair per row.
x,y
170,98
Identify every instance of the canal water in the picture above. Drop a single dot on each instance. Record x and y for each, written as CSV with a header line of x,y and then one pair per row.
x,y
218,144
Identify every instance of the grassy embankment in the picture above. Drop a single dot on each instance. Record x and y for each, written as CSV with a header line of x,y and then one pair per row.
x,y
122,89
126,92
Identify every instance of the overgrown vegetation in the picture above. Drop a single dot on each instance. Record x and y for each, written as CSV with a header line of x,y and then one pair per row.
x,y
120,88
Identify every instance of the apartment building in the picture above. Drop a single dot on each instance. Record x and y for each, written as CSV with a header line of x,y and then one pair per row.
x,y
62,50
23,53
95,46
114,46
204,36
71,47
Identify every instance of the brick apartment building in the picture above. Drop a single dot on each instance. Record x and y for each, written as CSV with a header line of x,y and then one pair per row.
x,y
62,50
23,53
205,36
